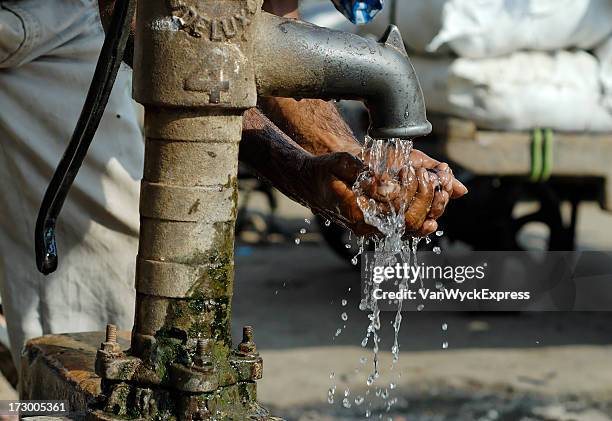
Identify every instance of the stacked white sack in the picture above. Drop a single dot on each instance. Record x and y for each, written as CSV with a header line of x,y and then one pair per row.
x,y
490,28
559,90
604,56
513,72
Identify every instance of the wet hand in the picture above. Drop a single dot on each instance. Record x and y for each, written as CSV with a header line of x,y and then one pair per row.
x,y
427,187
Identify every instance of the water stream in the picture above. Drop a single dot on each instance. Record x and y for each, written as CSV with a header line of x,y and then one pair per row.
x,y
381,191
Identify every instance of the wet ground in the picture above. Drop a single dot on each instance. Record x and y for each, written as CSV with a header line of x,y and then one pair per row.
x,y
510,366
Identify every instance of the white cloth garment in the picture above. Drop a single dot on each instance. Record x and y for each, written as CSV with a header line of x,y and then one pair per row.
x,y
48,52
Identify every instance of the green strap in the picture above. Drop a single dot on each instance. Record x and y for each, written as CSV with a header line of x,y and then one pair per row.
x,y
536,156
542,142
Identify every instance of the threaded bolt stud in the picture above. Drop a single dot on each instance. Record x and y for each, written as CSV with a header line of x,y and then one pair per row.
x,y
201,348
111,333
247,334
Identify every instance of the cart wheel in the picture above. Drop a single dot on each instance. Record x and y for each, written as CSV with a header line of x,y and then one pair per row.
x,y
561,237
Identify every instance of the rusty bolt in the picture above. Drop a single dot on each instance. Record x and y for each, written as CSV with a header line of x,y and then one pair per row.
x,y
201,347
247,346
111,333
247,334
110,344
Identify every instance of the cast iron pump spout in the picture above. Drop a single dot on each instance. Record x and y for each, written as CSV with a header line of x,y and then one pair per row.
x,y
297,59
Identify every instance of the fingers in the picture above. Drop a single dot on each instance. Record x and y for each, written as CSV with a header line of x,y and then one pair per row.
x,y
454,187
341,207
410,184
429,227
440,201
421,204
458,189
422,160
345,166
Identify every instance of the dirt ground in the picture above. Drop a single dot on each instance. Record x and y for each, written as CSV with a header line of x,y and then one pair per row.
x,y
517,366
511,366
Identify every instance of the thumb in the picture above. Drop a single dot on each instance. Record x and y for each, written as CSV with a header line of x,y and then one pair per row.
x,y
345,166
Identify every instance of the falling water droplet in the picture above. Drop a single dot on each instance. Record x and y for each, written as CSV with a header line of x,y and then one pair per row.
x,y
439,233
444,345
354,261
392,386
303,231
330,395
346,403
327,222
420,307
359,400
344,303
444,326
437,250
338,332
344,316
363,360
370,380
348,246
297,241
307,221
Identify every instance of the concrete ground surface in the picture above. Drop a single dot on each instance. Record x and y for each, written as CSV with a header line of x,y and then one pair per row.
x,y
511,366
515,366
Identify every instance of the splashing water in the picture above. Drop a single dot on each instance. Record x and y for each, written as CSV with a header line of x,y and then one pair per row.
x,y
380,190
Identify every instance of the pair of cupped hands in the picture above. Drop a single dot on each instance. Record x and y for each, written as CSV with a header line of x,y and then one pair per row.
x,y
421,189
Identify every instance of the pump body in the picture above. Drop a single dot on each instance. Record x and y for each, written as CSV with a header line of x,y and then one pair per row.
x,y
198,65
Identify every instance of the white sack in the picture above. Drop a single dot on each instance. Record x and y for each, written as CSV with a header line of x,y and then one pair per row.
x,y
525,90
488,28
604,55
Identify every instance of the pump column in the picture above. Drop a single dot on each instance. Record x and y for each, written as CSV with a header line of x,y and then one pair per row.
x,y
188,198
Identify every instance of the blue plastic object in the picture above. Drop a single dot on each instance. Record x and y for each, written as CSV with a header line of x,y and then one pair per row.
x,y
359,11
